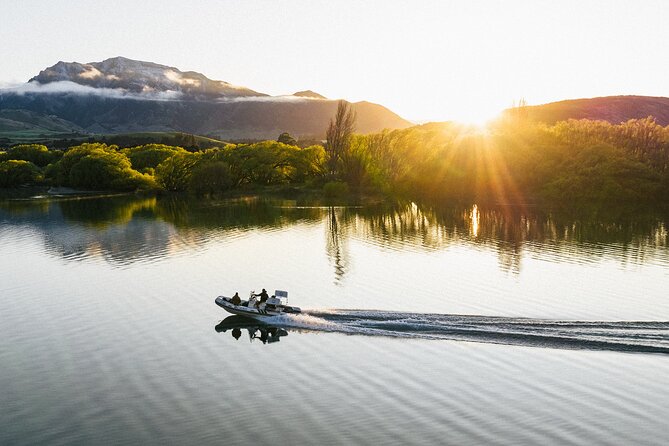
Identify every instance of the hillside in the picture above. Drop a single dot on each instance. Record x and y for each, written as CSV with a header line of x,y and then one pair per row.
x,y
121,95
614,109
18,126
24,120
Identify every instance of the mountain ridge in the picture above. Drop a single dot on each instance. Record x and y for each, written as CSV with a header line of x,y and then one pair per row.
x,y
121,95
613,109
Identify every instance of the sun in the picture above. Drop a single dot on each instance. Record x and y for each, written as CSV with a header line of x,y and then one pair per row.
x,y
475,116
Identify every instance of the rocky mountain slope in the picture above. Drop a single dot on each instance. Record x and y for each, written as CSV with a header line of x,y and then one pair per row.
x,y
141,77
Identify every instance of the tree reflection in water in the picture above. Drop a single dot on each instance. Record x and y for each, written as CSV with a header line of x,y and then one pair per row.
x,y
127,229
336,244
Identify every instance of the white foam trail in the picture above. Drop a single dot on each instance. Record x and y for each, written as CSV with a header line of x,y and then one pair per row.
x,y
650,337
302,320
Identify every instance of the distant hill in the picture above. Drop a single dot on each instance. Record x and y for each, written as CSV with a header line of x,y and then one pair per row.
x,y
18,126
121,95
614,109
309,94
12,120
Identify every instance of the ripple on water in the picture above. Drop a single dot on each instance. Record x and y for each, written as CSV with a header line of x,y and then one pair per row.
x,y
108,330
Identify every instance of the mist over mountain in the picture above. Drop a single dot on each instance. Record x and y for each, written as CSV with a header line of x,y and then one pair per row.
x,y
140,77
120,95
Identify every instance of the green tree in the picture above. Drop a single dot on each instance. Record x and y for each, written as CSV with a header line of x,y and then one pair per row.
x,y
35,153
149,156
338,135
601,175
99,170
210,177
175,172
18,172
59,173
307,163
266,162
356,163
97,166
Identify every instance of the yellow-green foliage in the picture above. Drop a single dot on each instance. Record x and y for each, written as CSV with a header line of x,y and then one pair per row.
x,y
570,163
174,173
149,156
97,166
272,162
35,153
18,172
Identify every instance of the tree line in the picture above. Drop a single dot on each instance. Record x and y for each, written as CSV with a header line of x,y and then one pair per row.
x,y
571,164
575,163
155,167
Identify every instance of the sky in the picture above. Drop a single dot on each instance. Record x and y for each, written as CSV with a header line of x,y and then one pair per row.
x,y
425,60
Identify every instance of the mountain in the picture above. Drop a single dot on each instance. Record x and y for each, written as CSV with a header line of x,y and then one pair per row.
x,y
122,95
140,77
614,109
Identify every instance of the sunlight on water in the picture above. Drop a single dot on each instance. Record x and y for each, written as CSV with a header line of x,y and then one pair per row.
x,y
475,221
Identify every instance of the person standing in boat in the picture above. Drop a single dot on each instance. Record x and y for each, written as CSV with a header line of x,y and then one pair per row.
x,y
263,296
236,300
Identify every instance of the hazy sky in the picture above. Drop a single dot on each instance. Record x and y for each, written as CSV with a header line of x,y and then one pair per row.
x,y
426,60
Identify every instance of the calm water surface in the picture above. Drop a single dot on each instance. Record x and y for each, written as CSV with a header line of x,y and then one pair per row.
x,y
420,326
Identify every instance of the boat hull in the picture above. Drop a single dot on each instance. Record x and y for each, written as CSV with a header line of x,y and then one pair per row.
x,y
253,311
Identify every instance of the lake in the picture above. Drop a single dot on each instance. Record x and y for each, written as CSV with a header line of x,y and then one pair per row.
x,y
457,325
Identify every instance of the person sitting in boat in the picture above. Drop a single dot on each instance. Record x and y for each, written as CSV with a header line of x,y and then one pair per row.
x,y
236,300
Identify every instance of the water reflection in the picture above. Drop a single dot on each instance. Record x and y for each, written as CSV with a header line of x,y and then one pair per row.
x,y
336,246
256,330
122,230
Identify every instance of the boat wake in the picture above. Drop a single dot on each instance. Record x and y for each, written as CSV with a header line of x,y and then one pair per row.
x,y
624,336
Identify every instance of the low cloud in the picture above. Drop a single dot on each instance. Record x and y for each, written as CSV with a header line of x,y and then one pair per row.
x,y
179,79
287,98
147,94
90,73
78,89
